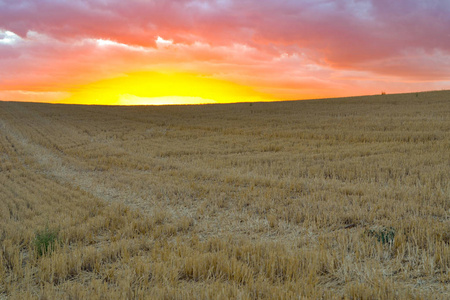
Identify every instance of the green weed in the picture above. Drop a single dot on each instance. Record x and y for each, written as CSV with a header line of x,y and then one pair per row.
x,y
45,241
384,235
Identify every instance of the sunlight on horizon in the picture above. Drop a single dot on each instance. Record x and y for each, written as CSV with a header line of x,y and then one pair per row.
x,y
127,99
152,88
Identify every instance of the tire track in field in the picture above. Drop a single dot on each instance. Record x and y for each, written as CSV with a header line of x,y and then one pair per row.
x,y
53,165
62,168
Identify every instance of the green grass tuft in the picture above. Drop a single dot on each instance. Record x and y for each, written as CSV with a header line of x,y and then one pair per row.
x,y
45,241
384,235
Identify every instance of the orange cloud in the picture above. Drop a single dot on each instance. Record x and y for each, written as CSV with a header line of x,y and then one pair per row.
x,y
281,49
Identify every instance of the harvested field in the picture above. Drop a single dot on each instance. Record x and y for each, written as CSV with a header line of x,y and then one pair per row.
x,y
335,199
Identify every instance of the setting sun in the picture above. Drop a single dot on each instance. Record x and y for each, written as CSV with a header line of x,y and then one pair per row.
x,y
152,88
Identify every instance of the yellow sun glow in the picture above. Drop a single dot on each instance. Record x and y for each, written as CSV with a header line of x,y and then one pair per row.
x,y
151,88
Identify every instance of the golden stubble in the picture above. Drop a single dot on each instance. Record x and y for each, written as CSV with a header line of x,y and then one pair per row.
x,y
273,201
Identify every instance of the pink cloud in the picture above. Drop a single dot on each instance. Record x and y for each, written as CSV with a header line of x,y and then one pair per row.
x,y
278,46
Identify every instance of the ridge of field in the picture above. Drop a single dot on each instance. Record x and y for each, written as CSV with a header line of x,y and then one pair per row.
x,y
335,199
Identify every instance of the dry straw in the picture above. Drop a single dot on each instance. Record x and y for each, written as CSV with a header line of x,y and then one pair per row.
x,y
345,198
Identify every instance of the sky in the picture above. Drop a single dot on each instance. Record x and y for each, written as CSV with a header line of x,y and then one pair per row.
x,y
218,51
